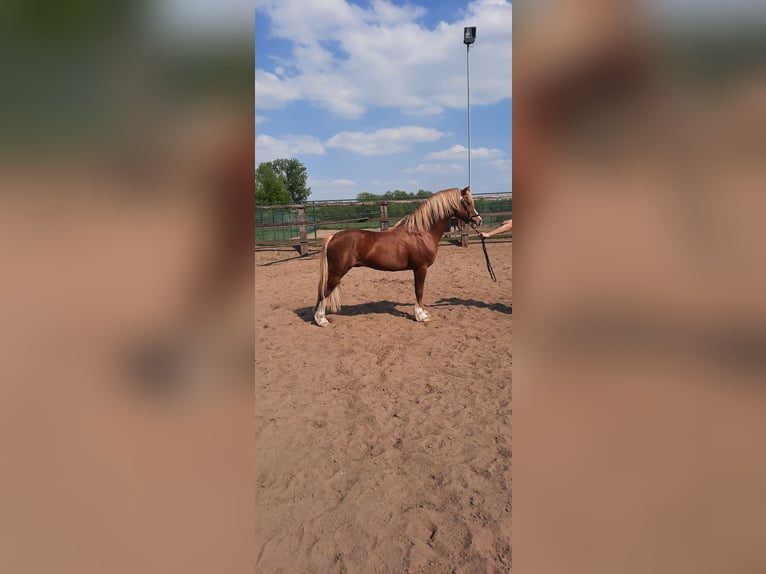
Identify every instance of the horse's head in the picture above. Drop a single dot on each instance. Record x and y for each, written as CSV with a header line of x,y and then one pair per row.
x,y
467,211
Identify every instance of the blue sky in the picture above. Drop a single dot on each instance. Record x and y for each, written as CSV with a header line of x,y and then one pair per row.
x,y
371,95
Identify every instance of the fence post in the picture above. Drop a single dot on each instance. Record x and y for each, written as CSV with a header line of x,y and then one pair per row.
x,y
304,247
383,215
463,234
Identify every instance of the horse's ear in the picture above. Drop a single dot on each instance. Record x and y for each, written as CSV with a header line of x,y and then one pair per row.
x,y
465,189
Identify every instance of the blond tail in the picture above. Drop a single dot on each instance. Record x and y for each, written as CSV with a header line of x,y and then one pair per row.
x,y
334,297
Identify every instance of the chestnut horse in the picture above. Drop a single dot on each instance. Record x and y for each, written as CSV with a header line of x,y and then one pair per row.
x,y
411,244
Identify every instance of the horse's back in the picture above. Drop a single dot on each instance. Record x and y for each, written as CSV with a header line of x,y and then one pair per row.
x,y
358,241
348,237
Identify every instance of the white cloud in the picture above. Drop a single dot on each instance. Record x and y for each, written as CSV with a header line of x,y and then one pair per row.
x,y
502,163
332,189
486,153
346,58
269,148
436,168
273,93
260,119
461,152
385,141
388,13
335,182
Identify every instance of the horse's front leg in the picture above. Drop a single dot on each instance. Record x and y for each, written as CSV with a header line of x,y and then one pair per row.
x,y
420,279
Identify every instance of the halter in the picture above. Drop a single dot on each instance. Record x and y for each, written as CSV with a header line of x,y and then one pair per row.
x,y
469,216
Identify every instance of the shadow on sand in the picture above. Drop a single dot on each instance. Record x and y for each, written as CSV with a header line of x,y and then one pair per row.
x,y
500,307
270,263
378,307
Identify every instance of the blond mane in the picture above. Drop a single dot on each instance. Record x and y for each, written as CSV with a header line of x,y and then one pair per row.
x,y
440,205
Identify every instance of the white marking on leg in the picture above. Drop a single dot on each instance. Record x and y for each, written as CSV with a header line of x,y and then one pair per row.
x,y
420,314
319,316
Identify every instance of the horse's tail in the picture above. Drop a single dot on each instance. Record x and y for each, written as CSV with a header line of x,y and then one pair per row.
x,y
333,299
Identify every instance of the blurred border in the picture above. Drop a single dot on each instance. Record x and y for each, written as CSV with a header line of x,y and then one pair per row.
x,y
126,229
639,133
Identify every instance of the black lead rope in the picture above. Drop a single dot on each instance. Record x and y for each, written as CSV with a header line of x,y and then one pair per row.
x,y
489,265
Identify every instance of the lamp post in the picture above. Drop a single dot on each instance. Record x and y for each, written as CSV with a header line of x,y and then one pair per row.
x,y
469,37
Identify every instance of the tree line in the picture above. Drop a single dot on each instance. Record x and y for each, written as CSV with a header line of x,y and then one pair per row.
x,y
395,194
284,181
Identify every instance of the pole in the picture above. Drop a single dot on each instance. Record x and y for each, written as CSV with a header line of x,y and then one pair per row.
x,y
469,37
468,84
304,247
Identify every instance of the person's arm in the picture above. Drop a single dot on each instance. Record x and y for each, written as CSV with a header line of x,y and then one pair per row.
x,y
504,228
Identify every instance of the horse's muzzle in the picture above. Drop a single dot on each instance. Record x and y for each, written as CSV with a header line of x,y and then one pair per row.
x,y
473,224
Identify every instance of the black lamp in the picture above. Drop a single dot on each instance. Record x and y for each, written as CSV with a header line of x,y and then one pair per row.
x,y
469,35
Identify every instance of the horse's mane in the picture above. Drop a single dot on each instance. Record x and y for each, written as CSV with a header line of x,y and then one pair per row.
x,y
440,205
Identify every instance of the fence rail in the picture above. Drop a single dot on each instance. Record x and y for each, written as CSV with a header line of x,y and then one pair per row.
x,y
294,224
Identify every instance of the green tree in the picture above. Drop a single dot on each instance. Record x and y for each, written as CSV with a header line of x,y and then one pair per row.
x,y
293,173
269,187
397,194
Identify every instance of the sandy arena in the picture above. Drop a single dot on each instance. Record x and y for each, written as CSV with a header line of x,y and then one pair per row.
x,y
383,444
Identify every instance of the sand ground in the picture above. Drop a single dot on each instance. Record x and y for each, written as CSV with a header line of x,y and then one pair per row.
x,y
383,444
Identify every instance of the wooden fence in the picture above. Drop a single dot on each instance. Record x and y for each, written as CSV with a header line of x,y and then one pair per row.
x,y
294,217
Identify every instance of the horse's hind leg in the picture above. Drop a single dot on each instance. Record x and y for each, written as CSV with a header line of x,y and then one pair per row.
x,y
331,294
420,279
331,271
319,313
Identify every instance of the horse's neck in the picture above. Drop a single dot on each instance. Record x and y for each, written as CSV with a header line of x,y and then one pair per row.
x,y
434,232
437,229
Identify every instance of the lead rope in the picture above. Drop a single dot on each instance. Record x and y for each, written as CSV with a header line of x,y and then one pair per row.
x,y
489,265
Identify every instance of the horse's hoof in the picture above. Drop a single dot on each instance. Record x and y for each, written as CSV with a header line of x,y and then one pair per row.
x,y
322,322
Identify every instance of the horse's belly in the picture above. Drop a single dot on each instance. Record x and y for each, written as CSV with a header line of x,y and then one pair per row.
x,y
384,265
